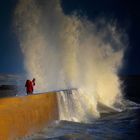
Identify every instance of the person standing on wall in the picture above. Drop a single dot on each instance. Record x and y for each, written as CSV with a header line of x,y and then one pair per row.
x,y
30,86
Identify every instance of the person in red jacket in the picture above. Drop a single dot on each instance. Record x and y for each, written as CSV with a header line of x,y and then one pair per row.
x,y
29,86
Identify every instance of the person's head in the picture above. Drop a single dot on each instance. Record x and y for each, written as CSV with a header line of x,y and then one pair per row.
x,y
33,79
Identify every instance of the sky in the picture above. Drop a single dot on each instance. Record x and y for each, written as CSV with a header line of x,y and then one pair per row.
x,y
126,13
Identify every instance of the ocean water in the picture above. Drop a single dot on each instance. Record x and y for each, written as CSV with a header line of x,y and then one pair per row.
x,y
118,126
124,125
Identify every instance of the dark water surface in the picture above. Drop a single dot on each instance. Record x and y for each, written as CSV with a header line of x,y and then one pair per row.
x,y
118,126
12,85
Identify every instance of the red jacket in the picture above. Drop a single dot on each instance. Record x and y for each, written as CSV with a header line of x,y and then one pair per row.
x,y
29,86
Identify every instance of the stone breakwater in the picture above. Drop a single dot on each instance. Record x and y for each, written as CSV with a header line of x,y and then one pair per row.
x,y
23,116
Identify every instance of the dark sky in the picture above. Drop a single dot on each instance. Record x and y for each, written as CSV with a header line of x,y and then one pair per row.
x,y
10,53
125,12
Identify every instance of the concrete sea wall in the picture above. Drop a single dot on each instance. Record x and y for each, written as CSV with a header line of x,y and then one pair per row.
x,y
21,116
